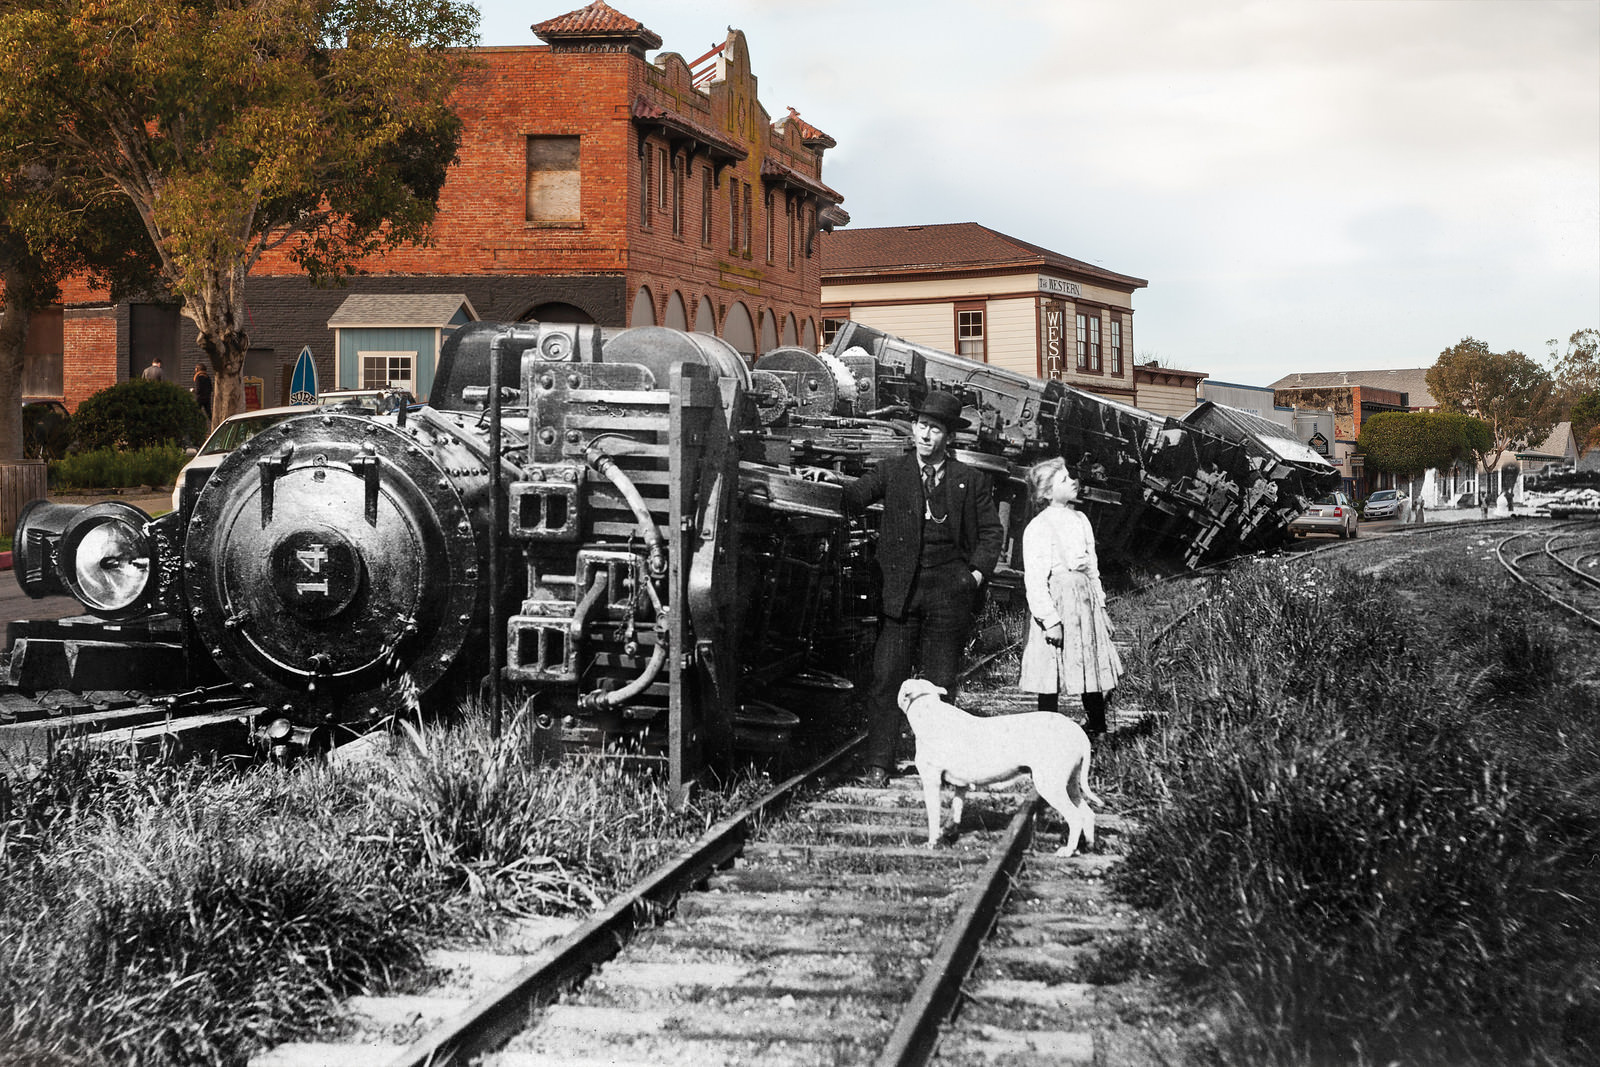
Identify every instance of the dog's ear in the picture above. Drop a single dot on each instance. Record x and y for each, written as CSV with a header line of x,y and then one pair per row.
x,y
941,690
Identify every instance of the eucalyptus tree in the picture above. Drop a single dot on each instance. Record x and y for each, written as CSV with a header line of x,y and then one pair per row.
x,y
55,223
235,127
1513,394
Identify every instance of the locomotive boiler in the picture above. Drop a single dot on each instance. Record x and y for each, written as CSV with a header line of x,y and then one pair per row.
x,y
636,535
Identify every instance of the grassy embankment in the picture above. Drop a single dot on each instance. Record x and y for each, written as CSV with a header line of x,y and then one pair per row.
x,y
192,915
1372,818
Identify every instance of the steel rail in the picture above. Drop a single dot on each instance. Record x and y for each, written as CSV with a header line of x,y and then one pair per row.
x,y
503,1011
1514,569
916,1035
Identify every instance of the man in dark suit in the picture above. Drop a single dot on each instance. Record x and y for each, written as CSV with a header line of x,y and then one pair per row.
x,y
938,542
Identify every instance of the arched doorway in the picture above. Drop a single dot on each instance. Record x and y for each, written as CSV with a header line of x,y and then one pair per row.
x,y
789,335
769,331
556,311
677,318
808,336
644,308
739,330
705,317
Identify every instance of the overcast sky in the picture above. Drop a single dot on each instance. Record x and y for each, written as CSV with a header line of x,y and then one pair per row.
x,y
1306,184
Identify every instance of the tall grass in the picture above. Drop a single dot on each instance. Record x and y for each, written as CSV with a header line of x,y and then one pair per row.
x,y
1371,828
188,915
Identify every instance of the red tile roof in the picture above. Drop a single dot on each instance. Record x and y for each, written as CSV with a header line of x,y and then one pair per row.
x,y
945,246
809,134
599,19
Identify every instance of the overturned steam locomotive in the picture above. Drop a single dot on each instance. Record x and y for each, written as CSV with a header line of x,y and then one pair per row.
x,y
635,533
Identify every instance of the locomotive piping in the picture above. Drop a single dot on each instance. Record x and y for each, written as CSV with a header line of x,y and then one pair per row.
x,y
600,461
601,699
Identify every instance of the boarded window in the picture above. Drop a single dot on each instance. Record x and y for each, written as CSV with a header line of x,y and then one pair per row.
x,y
42,354
553,180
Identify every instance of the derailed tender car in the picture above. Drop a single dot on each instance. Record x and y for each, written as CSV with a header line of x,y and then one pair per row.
x,y
1330,513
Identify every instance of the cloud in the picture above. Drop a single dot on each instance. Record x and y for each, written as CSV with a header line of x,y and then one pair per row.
x,y
1361,183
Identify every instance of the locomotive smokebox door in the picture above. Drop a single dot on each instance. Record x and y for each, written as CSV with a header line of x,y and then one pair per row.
x,y
333,565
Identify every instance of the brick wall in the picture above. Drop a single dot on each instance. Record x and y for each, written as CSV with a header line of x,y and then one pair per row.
x,y
90,361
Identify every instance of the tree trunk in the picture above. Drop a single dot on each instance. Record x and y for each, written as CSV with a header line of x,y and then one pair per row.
x,y
13,336
217,310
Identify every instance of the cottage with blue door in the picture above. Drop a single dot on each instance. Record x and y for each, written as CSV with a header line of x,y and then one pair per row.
x,y
384,340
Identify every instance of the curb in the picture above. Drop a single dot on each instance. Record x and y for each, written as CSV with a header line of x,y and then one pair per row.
x,y
5,561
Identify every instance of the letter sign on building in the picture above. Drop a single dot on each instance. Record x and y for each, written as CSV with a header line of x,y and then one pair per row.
x,y
1060,287
1052,336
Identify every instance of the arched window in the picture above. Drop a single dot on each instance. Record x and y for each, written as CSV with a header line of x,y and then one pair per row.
x,y
789,335
769,331
644,308
739,329
808,335
705,317
677,318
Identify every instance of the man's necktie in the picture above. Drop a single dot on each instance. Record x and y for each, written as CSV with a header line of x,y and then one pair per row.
x,y
930,479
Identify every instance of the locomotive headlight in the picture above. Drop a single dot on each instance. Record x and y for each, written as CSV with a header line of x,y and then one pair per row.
x,y
110,565
99,554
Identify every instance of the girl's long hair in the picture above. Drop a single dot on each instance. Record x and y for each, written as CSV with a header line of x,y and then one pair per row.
x,y
1040,475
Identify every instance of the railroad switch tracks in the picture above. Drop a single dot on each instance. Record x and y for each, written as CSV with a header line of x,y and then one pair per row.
x,y
1560,563
829,936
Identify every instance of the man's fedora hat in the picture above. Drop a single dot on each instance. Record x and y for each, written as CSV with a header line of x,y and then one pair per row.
x,y
945,408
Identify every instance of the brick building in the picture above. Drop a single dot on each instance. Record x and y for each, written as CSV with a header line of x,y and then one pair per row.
x,y
965,288
1353,397
592,185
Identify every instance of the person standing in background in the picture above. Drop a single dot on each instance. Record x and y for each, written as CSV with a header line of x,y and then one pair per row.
x,y
1068,648
154,373
202,389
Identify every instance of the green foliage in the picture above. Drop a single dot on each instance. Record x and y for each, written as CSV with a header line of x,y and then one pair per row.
x,y
1577,371
1410,442
1368,831
109,468
331,142
1513,394
1585,416
46,431
138,414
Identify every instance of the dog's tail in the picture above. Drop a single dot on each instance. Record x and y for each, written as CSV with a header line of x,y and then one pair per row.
x,y
1083,782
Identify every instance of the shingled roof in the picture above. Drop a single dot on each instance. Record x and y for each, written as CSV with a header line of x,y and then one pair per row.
x,y
599,22
943,247
1413,382
400,309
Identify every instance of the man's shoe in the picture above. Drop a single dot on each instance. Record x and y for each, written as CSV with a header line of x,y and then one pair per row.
x,y
875,778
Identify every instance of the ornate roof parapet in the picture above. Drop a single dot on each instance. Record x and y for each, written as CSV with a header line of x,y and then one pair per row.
x,y
597,28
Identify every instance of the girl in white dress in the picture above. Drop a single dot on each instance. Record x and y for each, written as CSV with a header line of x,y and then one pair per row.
x,y
1068,649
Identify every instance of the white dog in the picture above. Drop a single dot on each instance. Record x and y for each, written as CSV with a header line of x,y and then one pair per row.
x,y
965,751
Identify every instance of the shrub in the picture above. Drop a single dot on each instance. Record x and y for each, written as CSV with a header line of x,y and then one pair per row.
x,y
46,431
138,414
114,469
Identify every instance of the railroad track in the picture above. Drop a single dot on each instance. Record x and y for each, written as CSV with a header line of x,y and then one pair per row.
x,y
813,928
1560,563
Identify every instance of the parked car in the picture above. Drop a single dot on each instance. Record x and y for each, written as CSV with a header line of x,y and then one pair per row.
x,y
232,432
237,429
1383,504
1330,513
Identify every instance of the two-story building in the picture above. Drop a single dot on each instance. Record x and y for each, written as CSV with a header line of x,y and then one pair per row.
x,y
592,185
965,288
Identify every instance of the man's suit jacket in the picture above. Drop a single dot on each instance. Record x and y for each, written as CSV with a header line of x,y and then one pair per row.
x,y
898,483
